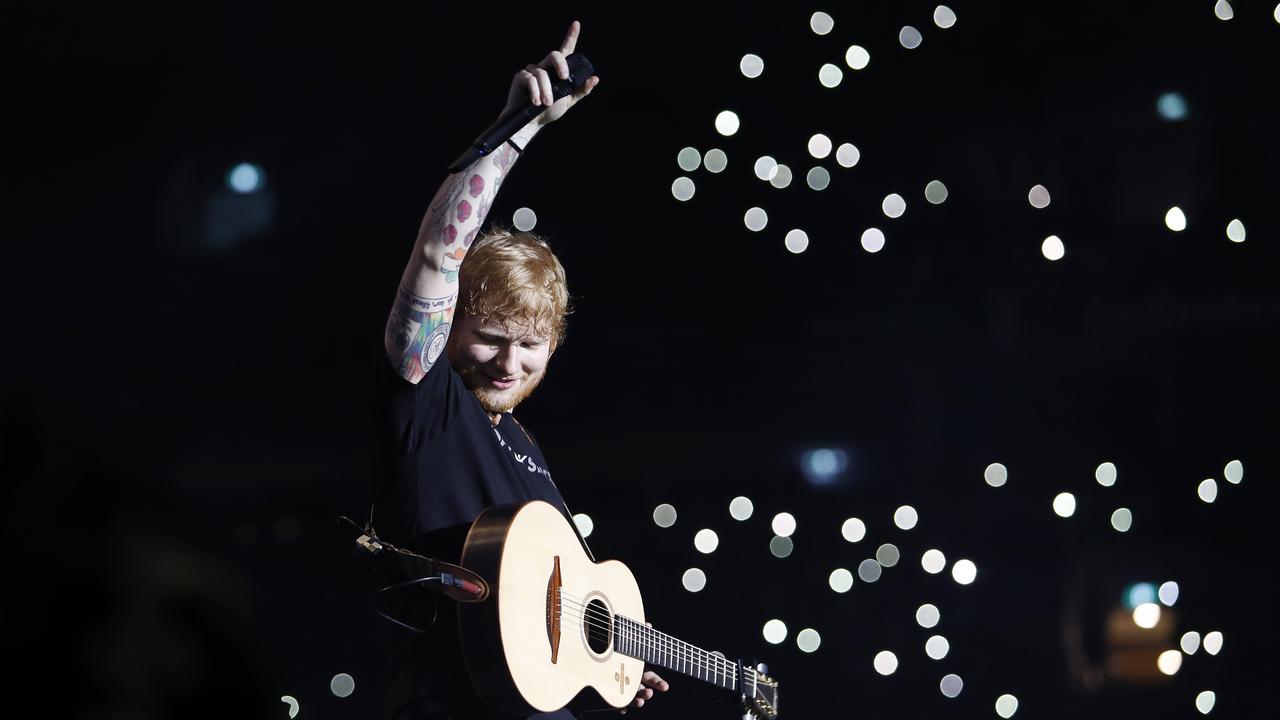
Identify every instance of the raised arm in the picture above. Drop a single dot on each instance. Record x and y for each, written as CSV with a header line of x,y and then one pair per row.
x,y
418,326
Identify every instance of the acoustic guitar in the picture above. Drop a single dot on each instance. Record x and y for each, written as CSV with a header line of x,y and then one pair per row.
x,y
549,622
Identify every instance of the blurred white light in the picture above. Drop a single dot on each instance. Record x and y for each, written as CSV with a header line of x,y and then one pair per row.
x,y
841,580
1206,699
1234,472
821,23
905,517
1172,106
819,146
1168,593
1213,642
847,155
784,524
888,555
797,241
951,685
342,685
682,189
1146,615
1052,248
782,178
1038,197
808,640
1223,10
927,615
740,508
857,57
1207,490
936,647
766,167
755,219
694,580
292,702
751,65
584,523
727,122
245,178
664,515
1169,662
893,205
853,529
706,541
775,631
689,159
1006,705
909,37
830,75
1064,505
1175,219
872,240
818,178
526,219
964,572
1190,642
996,474
1122,519
885,663
944,17
935,192
1235,231
1275,14
933,561
715,160
869,571
1105,474
823,464
781,547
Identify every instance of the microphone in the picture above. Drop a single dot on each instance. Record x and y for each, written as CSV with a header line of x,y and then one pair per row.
x,y
580,70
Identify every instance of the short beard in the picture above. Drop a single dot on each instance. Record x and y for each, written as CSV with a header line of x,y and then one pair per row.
x,y
495,403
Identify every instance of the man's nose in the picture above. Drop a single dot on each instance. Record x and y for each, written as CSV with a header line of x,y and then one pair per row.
x,y
508,359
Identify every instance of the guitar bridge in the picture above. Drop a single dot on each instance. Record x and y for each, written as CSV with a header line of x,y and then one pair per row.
x,y
553,610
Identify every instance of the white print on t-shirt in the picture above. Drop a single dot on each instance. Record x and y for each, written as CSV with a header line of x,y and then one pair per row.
x,y
524,460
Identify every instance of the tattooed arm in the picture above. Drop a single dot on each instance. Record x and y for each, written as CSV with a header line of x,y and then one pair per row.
x,y
418,326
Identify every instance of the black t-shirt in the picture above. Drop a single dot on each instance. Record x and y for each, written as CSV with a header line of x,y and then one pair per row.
x,y
443,462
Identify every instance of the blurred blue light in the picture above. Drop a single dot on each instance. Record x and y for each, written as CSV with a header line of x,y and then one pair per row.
x,y
1172,106
824,466
1139,594
245,178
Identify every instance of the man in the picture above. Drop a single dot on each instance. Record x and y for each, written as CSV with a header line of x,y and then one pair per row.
x,y
493,306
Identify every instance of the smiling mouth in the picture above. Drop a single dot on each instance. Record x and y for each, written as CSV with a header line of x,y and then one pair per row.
x,y
502,384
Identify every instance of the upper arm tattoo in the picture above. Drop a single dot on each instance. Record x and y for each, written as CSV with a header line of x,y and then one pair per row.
x,y
417,331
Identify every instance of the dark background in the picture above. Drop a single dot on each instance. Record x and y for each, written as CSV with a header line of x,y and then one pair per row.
x,y
185,405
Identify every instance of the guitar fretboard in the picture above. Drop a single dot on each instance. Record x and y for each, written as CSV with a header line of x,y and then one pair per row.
x,y
642,642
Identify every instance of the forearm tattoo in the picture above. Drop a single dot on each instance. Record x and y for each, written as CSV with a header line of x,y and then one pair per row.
x,y
417,330
460,207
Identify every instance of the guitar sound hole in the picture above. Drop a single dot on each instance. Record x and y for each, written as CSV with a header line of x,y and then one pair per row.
x,y
597,624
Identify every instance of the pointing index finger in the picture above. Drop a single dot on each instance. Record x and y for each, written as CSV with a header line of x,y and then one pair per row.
x,y
571,38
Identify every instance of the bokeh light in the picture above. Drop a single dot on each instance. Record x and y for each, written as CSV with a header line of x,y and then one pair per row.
x,y
740,508
784,524
781,547
927,615
682,189
342,685
808,640
585,524
821,23
1105,474
894,205
873,240
933,561
775,631
689,159
246,178
1205,700
664,516
1234,472
1235,231
909,37
292,702
715,160
885,662
1169,662
751,65
853,530
951,685
1122,519
1189,642
818,178
888,555
935,192
905,517
1140,594
694,579
1213,642
1038,197
996,474
525,219
755,219
1207,490
944,17
1006,705
937,647
727,123
869,571
830,75
819,146
1052,248
1175,219
797,241
782,178
706,541
1172,106
964,572
857,57
847,155
1146,615
1064,504
841,580
1222,9
765,167
1168,593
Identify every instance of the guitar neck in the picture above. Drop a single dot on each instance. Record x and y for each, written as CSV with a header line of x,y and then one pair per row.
x,y
654,647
